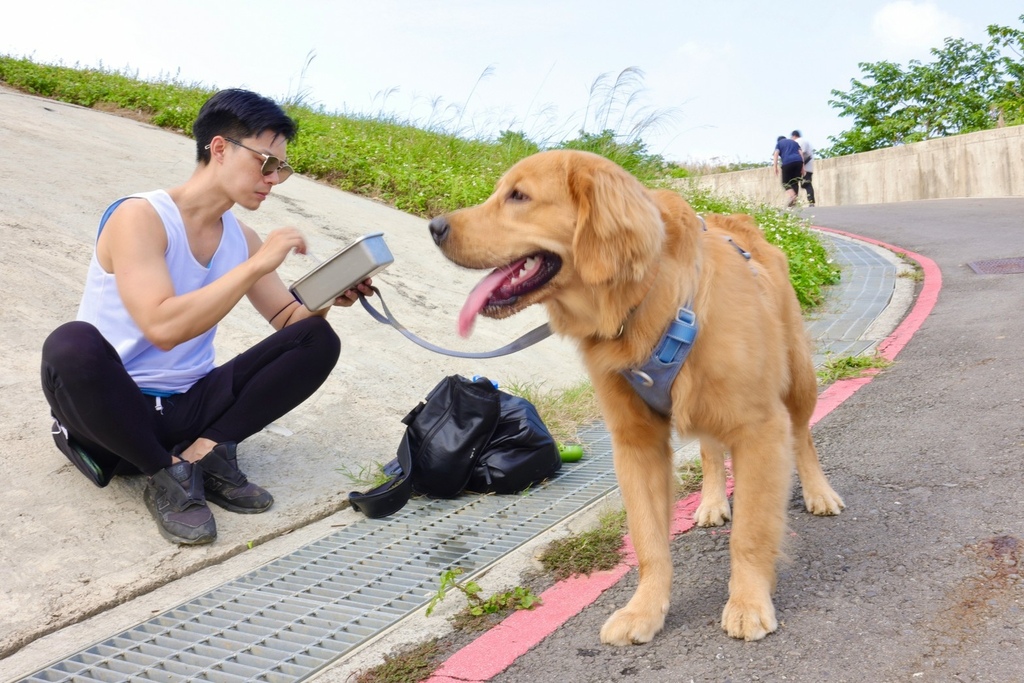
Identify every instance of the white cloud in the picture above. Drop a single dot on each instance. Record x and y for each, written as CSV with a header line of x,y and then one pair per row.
x,y
910,29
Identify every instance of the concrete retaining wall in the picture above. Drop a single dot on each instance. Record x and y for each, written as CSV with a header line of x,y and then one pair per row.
x,y
985,164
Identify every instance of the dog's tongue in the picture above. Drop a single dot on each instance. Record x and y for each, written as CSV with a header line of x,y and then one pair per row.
x,y
478,298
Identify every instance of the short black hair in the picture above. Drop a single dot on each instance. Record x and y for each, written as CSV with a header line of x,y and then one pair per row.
x,y
239,114
781,137
796,134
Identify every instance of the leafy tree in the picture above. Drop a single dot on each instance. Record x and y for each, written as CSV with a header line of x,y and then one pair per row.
x,y
968,87
1009,98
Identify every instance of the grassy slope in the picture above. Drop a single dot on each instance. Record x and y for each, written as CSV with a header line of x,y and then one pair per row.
x,y
423,172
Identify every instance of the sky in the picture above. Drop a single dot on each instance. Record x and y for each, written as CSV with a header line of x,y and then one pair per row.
x,y
712,81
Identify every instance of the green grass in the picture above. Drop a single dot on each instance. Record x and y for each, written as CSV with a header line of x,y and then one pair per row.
x,y
811,268
916,273
593,550
423,171
412,664
845,367
368,476
689,478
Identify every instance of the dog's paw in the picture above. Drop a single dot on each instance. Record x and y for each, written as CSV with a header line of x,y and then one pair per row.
x,y
712,512
629,627
749,620
823,503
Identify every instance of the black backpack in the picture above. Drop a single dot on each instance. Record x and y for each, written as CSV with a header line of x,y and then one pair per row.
x,y
466,435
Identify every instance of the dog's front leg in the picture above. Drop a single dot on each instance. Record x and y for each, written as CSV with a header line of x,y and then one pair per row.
x,y
643,465
762,462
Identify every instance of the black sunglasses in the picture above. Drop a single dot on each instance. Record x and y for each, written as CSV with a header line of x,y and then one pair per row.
x,y
270,162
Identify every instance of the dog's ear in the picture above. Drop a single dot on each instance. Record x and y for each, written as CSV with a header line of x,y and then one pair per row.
x,y
619,230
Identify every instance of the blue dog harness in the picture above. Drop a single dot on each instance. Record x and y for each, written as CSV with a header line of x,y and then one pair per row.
x,y
653,380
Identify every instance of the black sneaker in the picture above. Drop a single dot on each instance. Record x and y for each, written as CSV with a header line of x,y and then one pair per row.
x,y
175,497
225,484
74,452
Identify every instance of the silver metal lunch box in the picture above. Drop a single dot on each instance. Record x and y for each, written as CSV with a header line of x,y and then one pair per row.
x,y
364,258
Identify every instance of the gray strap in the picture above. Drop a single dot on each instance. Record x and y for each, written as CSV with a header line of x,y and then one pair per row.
x,y
529,339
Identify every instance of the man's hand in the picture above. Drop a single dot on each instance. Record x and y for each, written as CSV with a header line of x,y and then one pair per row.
x,y
276,247
350,296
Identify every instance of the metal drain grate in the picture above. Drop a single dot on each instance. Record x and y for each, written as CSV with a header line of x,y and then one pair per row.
x,y
999,266
297,614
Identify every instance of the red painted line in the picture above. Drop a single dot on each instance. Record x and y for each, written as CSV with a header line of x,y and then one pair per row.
x,y
496,650
836,393
839,391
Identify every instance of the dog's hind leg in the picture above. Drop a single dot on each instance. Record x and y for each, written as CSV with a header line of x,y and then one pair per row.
x,y
762,462
643,464
714,504
819,497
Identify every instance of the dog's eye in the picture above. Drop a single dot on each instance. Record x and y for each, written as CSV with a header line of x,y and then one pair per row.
x,y
517,196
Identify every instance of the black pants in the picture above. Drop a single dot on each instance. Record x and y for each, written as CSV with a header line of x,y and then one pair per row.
x,y
94,398
791,175
808,188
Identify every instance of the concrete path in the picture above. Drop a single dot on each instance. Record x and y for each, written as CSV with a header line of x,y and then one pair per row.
x,y
71,550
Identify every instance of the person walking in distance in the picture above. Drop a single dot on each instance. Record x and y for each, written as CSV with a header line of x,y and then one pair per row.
x,y
787,161
807,152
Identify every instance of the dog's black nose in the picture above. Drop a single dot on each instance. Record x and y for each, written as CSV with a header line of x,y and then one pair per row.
x,y
439,229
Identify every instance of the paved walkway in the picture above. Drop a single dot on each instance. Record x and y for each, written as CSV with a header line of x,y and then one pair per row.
x,y
311,609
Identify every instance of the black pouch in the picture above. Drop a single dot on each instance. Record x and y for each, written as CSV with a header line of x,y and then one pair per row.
x,y
465,435
97,472
444,436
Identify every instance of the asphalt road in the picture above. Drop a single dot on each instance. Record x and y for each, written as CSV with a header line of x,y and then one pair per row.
x,y
920,578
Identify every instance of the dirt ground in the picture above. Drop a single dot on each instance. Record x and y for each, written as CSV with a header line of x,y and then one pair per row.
x,y
70,549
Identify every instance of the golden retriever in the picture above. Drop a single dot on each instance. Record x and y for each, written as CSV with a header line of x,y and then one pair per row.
x,y
612,262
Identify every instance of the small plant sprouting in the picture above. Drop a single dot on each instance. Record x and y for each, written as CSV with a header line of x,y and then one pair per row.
x,y
517,598
415,663
916,273
594,550
690,477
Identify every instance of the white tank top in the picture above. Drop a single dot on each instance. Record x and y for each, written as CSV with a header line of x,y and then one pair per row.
x,y
161,372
